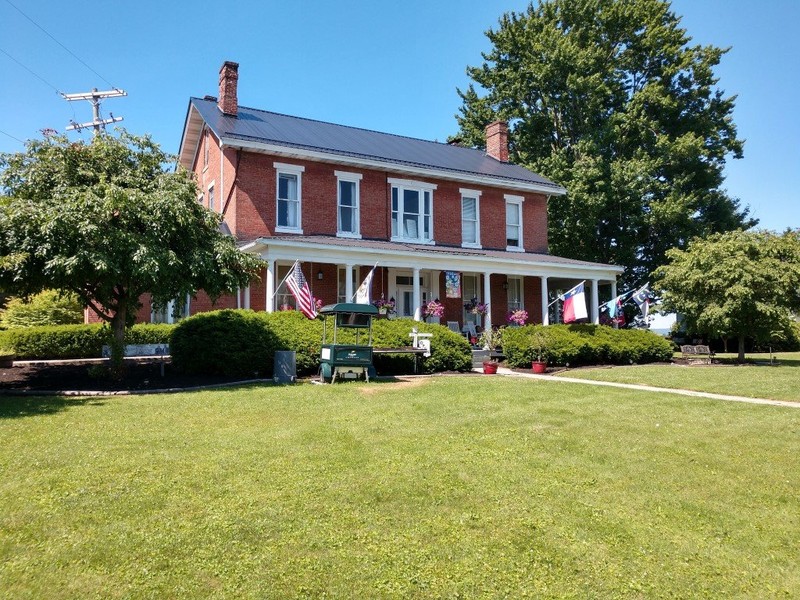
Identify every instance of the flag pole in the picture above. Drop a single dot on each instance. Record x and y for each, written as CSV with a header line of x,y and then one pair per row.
x,y
370,271
278,287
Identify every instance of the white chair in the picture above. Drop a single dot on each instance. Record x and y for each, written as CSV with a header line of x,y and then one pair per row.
x,y
470,331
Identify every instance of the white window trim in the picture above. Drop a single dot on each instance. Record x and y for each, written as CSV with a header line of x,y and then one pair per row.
x,y
421,186
205,150
287,169
521,291
211,188
466,193
356,179
518,200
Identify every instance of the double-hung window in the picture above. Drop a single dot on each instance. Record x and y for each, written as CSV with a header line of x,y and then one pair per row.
x,y
211,204
412,211
470,218
514,223
289,198
347,204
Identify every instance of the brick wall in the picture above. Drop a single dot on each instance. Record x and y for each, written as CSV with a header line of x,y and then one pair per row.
x,y
252,212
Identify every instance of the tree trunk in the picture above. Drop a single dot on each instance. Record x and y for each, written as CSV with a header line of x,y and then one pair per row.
x,y
725,344
741,349
118,342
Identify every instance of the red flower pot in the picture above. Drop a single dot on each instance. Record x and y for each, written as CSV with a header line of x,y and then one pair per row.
x,y
539,367
489,367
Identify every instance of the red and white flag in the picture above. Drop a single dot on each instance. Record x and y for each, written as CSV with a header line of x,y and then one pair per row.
x,y
575,304
297,284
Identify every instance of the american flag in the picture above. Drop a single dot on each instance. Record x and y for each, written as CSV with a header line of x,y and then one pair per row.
x,y
298,285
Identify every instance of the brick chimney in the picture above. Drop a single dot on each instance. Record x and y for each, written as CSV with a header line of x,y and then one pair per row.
x,y
497,140
228,82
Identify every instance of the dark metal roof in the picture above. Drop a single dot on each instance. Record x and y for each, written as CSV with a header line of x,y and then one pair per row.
x,y
252,125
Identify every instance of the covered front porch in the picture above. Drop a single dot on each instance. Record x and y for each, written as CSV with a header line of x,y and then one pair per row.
x,y
413,275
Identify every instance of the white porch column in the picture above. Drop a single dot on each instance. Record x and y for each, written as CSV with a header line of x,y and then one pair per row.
x,y
614,295
417,296
348,282
270,303
595,303
487,298
545,308
436,291
247,298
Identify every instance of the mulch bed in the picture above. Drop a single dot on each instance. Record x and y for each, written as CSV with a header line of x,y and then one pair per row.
x,y
139,376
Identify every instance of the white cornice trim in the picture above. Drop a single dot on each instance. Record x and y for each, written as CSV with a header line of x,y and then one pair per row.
x,y
303,250
471,178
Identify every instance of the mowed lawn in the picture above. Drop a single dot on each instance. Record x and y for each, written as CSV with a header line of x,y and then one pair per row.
x,y
451,487
780,381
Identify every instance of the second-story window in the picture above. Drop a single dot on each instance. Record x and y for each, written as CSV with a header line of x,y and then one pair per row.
x,y
514,223
470,218
412,210
347,204
211,203
289,198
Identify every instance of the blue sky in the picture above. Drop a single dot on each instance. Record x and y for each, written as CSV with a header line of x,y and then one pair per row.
x,y
391,67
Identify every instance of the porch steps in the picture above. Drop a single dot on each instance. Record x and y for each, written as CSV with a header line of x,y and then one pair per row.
x,y
478,356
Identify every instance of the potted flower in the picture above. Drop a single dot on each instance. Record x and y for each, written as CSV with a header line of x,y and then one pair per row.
x,y
385,307
491,338
476,307
434,308
539,347
517,317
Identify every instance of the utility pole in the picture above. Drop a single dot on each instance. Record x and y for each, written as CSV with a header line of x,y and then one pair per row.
x,y
94,97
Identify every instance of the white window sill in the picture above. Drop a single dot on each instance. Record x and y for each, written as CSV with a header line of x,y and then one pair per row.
x,y
279,229
345,234
514,249
413,241
471,245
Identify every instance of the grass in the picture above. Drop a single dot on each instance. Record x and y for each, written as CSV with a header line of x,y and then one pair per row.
x,y
451,487
761,380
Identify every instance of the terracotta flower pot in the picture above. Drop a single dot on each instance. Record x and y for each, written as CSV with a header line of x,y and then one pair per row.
x,y
539,367
489,367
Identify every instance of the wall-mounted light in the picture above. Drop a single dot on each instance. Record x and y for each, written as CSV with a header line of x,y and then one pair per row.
x,y
505,285
319,275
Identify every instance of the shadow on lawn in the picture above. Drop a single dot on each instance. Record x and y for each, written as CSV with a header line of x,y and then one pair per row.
x,y
12,407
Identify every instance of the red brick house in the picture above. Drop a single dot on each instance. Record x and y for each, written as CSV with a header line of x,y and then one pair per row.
x,y
341,199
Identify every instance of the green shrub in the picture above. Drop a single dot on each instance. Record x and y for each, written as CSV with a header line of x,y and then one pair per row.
x,y
224,342
449,350
576,345
237,342
56,341
75,341
150,333
45,308
293,331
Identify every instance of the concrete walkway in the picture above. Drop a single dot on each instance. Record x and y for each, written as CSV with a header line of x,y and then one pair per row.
x,y
647,388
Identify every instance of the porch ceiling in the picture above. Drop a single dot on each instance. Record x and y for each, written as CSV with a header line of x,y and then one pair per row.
x,y
330,249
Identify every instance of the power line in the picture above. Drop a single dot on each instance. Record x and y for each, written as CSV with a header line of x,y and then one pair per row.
x,y
11,136
75,56
32,72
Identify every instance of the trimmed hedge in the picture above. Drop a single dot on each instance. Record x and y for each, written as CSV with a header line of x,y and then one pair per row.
x,y
576,345
76,341
449,350
242,342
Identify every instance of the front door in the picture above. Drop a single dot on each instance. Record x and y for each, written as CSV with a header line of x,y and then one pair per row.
x,y
405,300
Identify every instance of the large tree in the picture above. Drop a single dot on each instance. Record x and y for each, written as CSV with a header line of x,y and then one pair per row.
x,y
743,284
110,221
609,99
